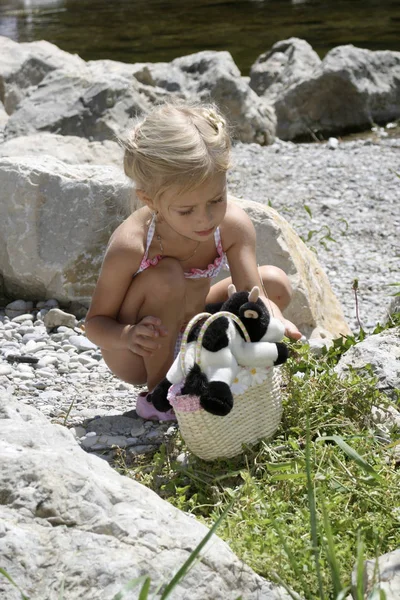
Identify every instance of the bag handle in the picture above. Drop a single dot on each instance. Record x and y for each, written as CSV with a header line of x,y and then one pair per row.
x,y
210,319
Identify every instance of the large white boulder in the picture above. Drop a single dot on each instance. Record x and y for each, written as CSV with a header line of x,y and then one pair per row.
x,y
70,149
314,307
56,221
69,522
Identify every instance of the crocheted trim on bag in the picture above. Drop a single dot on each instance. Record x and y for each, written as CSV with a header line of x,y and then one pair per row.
x,y
247,377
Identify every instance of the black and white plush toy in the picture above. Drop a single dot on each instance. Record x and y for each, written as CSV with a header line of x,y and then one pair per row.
x,y
223,350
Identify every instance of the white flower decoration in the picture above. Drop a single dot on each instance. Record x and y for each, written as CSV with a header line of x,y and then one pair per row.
x,y
242,381
258,374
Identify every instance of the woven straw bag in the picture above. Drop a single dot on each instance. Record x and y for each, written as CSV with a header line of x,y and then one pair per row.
x,y
256,412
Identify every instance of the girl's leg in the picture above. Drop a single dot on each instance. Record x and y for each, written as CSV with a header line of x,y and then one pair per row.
x,y
275,281
159,292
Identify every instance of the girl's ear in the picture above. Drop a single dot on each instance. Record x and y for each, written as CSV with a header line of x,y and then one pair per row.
x,y
145,199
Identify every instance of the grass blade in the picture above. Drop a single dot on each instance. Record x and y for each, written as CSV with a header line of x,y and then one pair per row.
x,y
188,563
360,569
10,579
294,595
293,562
331,553
132,584
344,593
144,592
351,453
313,513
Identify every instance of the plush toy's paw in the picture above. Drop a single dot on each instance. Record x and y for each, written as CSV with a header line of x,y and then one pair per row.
x,y
158,396
217,399
283,353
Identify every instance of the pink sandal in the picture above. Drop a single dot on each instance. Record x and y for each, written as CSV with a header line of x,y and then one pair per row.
x,y
146,410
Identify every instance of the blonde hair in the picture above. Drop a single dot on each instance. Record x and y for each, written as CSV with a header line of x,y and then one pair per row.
x,y
176,144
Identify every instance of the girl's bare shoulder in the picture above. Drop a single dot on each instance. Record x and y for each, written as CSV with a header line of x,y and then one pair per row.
x,y
236,225
130,235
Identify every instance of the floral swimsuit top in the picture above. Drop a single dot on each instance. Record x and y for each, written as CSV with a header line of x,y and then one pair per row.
x,y
212,270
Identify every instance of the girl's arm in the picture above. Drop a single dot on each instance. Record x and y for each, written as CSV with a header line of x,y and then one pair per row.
x,y
239,238
121,260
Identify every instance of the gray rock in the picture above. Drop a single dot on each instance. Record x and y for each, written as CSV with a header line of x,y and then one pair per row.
x,y
382,353
25,65
288,62
352,89
384,576
214,75
62,217
165,75
333,143
78,103
116,425
17,308
3,120
68,519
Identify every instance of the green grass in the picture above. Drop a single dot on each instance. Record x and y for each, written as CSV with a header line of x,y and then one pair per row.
x,y
322,492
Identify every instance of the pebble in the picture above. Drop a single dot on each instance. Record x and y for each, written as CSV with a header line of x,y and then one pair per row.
x,y
333,143
56,318
81,343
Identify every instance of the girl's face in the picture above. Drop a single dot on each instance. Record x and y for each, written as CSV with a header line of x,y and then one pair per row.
x,y
197,213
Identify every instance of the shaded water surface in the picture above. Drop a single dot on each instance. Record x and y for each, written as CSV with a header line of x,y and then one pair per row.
x,y
160,30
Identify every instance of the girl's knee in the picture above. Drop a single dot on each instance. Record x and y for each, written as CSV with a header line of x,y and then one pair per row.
x,y
277,285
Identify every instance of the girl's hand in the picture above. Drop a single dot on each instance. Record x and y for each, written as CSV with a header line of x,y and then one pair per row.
x,y
143,338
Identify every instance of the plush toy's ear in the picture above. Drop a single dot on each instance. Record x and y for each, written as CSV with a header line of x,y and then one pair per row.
x,y
251,314
231,290
253,297
254,294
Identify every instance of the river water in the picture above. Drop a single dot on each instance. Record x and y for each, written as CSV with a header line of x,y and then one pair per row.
x,y
160,30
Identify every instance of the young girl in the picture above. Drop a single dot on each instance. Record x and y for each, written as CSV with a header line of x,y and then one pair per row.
x,y
160,262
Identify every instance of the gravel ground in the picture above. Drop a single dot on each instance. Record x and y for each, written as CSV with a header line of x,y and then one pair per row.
x,y
348,191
